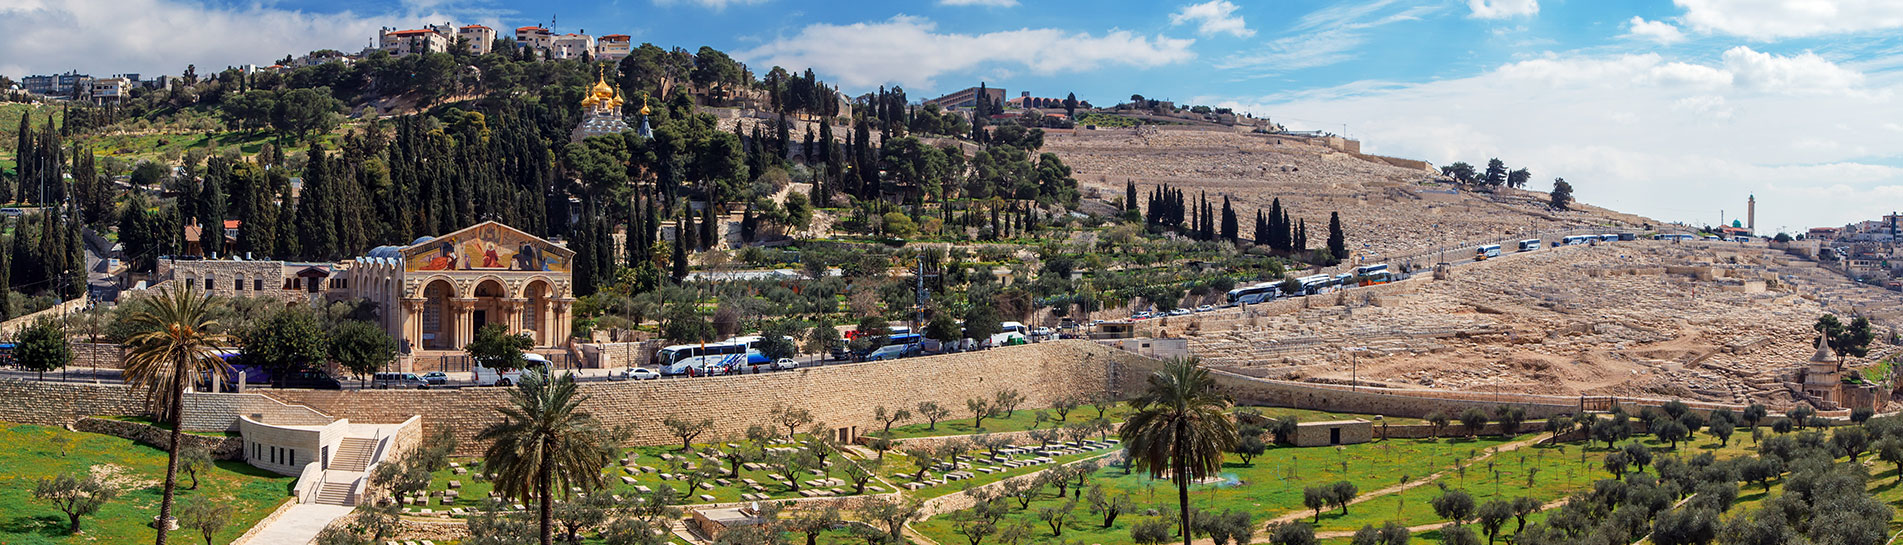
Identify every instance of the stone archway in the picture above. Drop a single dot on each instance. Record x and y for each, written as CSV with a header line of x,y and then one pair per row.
x,y
489,303
438,326
535,316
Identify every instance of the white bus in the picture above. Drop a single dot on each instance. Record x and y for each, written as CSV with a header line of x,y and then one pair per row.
x,y
1529,245
1578,239
490,377
1315,284
1484,252
1254,294
1009,333
668,356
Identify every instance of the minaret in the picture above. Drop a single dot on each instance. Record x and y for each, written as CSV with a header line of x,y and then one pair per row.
x,y
1751,214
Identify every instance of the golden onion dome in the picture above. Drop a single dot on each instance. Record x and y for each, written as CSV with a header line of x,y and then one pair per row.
x,y
644,104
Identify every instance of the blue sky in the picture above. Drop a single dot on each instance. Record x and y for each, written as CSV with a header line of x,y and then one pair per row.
x,y
1675,109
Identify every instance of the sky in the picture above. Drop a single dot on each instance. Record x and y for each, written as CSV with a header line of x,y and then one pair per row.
x,y
1674,109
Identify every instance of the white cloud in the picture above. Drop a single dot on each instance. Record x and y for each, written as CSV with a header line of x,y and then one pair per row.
x,y
1673,139
1805,73
1767,20
154,37
986,3
1659,32
1212,18
1323,37
909,51
1500,9
716,5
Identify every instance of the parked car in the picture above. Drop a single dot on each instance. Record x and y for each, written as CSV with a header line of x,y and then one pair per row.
x,y
398,380
840,354
785,364
312,380
1205,308
436,378
641,373
1180,312
1042,332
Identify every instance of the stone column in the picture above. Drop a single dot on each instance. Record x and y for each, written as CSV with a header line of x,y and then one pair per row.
x,y
411,325
465,322
512,309
559,317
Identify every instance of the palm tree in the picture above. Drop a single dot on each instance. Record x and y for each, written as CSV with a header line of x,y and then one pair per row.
x,y
546,442
176,345
1179,427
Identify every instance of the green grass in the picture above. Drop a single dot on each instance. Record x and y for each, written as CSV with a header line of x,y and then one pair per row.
x,y
1268,486
474,492
137,470
898,470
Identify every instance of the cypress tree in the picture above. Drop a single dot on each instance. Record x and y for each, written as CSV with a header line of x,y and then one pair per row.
x,y
6,276
710,228
1261,228
1301,236
746,225
22,167
678,261
1278,232
1229,226
1130,194
1337,241
685,234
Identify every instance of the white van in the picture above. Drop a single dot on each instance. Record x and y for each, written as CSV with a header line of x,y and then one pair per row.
x,y
489,377
1009,333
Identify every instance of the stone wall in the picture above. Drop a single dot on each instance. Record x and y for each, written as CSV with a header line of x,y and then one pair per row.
x,y
62,403
100,355
842,396
219,412
11,328
222,448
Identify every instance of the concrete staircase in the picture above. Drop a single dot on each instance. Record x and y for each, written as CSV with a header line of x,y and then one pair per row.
x,y
353,454
336,494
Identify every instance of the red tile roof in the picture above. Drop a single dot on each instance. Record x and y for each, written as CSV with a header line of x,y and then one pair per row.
x,y
232,224
530,28
417,32
615,38
467,27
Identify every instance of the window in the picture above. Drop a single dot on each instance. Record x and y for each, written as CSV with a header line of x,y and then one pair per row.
x,y
207,283
258,284
237,284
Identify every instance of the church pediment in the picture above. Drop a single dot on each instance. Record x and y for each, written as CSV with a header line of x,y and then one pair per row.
x,y
487,246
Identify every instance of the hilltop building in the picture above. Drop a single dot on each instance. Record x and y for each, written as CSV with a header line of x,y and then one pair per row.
x,y
601,113
407,42
432,294
966,98
613,47
478,38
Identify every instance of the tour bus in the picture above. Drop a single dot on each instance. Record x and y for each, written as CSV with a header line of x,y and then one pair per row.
x,y
1315,284
489,377
1254,294
1484,252
1578,239
669,356
1344,279
1608,237
1529,245
1369,275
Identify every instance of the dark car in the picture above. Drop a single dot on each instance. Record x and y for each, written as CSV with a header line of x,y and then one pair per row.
x,y
311,380
841,354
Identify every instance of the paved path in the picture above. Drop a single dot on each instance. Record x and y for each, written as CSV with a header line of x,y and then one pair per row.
x,y
300,524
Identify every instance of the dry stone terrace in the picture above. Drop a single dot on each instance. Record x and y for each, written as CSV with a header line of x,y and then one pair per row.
x,y
1711,322
1387,210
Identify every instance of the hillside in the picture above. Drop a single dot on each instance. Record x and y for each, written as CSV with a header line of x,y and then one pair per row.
x,y
1389,211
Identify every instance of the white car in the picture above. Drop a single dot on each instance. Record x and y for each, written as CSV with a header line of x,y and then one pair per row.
x,y
642,373
785,364
1205,308
1042,332
1180,312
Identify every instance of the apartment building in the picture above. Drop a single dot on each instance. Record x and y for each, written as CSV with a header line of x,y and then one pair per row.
x,y
478,38
405,42
613,47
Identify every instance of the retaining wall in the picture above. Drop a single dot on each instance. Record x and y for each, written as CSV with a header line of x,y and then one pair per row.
x,y
841,396
222,448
